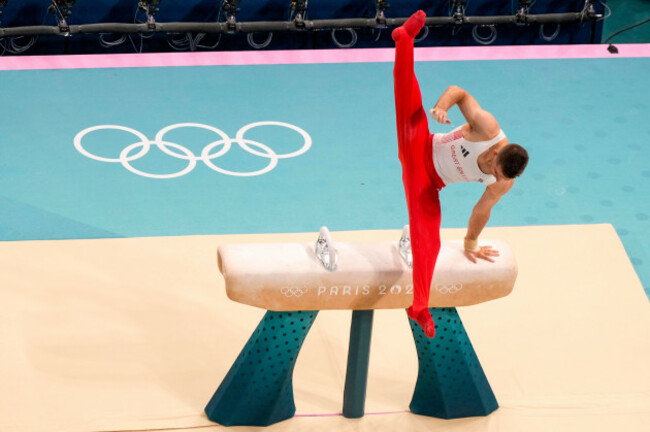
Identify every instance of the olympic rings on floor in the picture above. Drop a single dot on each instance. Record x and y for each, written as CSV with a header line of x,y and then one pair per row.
x,y
139,149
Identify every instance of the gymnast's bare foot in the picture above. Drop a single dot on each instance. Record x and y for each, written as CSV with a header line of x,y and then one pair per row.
x,y
411,27
424,319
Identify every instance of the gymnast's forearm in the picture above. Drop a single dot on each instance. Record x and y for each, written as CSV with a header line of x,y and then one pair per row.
x,y
477,222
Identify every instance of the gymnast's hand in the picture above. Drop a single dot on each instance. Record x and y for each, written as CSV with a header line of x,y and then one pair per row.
x,y
484,252
439,115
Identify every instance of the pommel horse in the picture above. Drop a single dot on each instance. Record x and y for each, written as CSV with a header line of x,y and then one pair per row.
x,y
294,281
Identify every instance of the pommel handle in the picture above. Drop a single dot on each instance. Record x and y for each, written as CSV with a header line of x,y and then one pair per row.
x,y
325,250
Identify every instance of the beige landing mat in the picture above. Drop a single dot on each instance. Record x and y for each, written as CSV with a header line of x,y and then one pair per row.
x,y
136,334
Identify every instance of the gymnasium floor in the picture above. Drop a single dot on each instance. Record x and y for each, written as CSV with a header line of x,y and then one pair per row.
x,y
113,326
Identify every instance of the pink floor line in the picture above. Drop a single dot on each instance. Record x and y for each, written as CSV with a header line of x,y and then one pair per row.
x,y
516,52
339,414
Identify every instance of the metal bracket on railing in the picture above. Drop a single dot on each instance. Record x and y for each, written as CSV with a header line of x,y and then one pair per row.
x,y
298,13
589,12
151,7
405,246
64,9
380,16
325,250
459,14
521,17
229,9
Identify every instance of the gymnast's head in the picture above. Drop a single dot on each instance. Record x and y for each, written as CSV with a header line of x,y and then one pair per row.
x,y
511,160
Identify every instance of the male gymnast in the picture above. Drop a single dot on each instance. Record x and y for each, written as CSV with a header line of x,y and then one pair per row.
x,y
476,151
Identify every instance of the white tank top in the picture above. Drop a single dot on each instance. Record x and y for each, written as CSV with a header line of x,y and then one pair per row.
x,y
456,159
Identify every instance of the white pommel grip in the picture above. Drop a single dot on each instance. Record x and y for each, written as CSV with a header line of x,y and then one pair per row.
x,y
325,250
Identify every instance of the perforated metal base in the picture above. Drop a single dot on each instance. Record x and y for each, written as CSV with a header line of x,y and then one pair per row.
x,y
258,389
451,382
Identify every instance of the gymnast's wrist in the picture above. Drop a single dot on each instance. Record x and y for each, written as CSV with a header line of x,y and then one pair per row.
x,y
471,245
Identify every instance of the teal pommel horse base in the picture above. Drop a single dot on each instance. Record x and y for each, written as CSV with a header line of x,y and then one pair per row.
x,y
258,389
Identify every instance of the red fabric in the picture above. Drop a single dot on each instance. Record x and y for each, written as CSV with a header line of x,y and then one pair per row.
x,y
421,182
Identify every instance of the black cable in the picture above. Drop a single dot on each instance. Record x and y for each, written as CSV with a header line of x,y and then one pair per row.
x,y
624,29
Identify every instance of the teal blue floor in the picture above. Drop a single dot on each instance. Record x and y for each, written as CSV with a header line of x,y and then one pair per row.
x,y
584,122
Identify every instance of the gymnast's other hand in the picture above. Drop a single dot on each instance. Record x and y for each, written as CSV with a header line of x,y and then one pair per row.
x,y
484,252
439,115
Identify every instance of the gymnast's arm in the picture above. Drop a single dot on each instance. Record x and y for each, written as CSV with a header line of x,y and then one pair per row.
x,y
479,218
481,122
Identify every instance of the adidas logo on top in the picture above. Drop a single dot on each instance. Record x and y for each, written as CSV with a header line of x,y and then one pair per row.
x,y
464,151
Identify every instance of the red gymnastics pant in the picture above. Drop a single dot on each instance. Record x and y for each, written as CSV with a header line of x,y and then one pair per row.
x,y
421,182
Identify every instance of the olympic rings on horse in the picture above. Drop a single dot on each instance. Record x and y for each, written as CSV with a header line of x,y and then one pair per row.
x,y
293,291
451,288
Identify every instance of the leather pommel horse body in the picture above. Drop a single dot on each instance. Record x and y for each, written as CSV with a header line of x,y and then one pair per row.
x,y
294,281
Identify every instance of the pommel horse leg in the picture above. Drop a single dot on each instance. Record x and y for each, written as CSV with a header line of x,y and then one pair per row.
x,y
451,382
356,376
258,389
